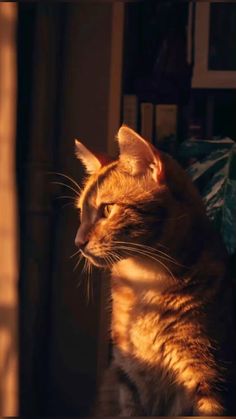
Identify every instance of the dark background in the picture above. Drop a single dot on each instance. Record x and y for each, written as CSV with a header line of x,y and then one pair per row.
x,y
64,59
63,62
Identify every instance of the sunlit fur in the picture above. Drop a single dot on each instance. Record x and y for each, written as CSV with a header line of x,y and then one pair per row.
x,y
170,293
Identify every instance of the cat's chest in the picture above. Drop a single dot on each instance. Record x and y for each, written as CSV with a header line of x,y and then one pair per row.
x,y
137,288
135,324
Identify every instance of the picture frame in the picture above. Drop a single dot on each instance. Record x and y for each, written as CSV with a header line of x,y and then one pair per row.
x,y
204,76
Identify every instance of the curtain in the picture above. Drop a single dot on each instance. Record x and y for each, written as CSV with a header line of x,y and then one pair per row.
x,y
8,221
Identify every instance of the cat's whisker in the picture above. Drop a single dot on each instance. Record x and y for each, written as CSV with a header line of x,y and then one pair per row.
x,y
74,254
152,251
67,177
158,252
87,281
161,263
78,262
68,204
71,198
143,253
65,197
85,266
115,256
81,258
90,279
153,255
66,186
143,246
108,260
84,272
81,278
79,283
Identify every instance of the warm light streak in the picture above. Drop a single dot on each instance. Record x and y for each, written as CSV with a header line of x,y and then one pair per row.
x,y
8,240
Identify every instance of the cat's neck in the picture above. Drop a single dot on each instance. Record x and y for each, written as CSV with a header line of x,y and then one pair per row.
x,y
141,274
139,292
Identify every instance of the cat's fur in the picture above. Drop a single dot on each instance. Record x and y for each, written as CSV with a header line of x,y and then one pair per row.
x,y
171,306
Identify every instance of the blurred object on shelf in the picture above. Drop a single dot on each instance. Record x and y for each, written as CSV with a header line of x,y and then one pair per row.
x,y
165,122
130,111
146,110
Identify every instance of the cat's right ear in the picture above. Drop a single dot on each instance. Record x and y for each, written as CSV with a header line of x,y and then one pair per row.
x,y
90,161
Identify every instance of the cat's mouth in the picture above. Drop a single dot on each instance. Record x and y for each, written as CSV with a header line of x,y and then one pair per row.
x,y
98,261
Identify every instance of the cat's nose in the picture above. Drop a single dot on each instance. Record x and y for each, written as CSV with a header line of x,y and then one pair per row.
x,y
81,244
82,235
81,240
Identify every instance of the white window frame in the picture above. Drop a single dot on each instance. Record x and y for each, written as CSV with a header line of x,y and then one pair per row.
x,y
202,76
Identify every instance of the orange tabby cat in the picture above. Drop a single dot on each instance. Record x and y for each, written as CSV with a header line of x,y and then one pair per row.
x,y
171,308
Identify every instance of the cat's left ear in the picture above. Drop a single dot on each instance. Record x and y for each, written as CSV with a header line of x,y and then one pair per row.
x,y
90,161
138,155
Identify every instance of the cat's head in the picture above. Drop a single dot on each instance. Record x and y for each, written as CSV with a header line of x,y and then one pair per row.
x,y
131,202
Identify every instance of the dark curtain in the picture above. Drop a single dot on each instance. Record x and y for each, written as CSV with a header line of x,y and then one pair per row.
x,y
58,328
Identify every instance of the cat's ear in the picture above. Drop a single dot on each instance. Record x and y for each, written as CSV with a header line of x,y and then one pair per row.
x,y
138,155
90,161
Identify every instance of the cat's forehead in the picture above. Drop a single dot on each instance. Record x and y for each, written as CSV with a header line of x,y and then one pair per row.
x,y
109,185
97,183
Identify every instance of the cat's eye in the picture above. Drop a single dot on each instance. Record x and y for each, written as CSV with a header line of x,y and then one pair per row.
x,y
107,210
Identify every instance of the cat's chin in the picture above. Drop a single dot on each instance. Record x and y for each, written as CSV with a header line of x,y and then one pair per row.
x,y
97,261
